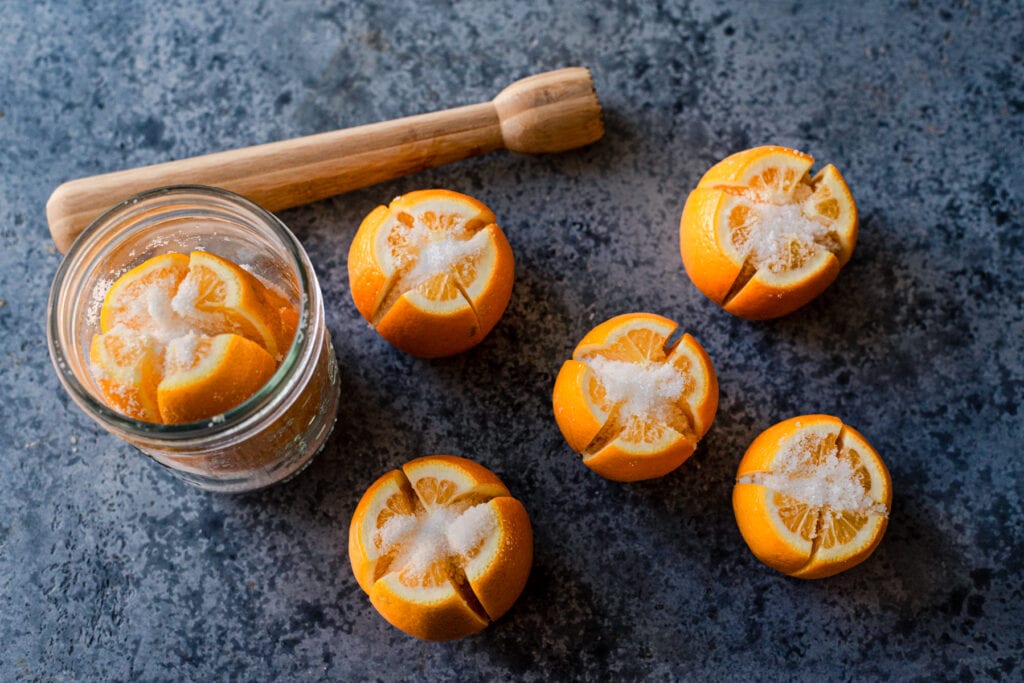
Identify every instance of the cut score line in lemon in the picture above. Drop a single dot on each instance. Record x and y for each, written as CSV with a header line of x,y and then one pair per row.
x,y
761,237
812,497
432,272
633,402
441,547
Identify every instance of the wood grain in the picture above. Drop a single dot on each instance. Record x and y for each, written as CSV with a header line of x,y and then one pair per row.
x,y
549,112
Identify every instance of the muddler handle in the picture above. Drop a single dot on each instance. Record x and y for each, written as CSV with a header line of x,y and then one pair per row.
x,y
548,112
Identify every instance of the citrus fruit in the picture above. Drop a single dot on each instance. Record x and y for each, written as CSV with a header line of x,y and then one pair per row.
x,y
634,401
205,376
441,547
218,296
812,497
184,338
761,237
127,365
141,298
432,272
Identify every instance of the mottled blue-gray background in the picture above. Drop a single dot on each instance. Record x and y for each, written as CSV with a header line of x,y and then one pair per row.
x,y
112,570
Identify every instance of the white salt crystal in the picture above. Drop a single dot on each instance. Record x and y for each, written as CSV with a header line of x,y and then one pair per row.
x,y
395,530
429,543
166,324
180,352
830,481
434,252
184,301
96,297
774,227
158,305
134,342
470,528
434,535
646,391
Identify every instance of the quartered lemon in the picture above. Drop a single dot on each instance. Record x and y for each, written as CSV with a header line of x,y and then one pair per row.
x,y
432,272
633,402
441,547
812,497
761,237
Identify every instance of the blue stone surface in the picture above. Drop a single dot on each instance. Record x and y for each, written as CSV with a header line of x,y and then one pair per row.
x,y
110,569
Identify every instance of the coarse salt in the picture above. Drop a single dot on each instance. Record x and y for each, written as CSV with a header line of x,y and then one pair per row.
x,y
436,252
184,301
646,391
96,298
180,353
824,480
434,535
774,227
470,528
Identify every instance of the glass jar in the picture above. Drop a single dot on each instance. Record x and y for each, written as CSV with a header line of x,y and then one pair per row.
x,y
275,433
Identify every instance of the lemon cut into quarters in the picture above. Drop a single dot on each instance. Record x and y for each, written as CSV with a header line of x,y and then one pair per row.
x,y
634,401
812,497
761,237
441,547
432,272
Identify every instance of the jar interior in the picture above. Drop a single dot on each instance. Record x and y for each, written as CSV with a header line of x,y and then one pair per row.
x,y
176,221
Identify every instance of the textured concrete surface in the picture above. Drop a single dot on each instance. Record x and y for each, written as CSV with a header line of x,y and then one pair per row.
x,y
112,570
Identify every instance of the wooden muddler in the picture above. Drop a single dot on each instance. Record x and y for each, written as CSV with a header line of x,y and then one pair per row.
x,y
549,112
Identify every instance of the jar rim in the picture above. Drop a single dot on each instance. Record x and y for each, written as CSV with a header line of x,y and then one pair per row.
x,y
244,413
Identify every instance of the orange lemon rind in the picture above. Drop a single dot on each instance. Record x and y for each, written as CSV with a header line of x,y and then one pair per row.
x,y
226,370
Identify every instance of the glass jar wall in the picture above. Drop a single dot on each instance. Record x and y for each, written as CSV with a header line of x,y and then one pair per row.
x,y
273,434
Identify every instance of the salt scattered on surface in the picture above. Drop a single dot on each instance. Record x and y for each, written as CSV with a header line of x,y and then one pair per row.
x,y
831,482
435,535
774,227
96,297
645,391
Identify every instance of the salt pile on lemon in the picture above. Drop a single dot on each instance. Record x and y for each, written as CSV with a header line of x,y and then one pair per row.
x,y
441,547
633,400
185,338
761,237
812,497
431,272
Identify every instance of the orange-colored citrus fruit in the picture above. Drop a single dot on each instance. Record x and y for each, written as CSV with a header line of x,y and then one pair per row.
x,y
441,547
127,365
812,497
761,237
432,272
634,401
218,296
206,376
185,338
143,292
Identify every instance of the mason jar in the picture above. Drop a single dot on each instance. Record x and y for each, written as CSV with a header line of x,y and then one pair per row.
x,y
276,432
